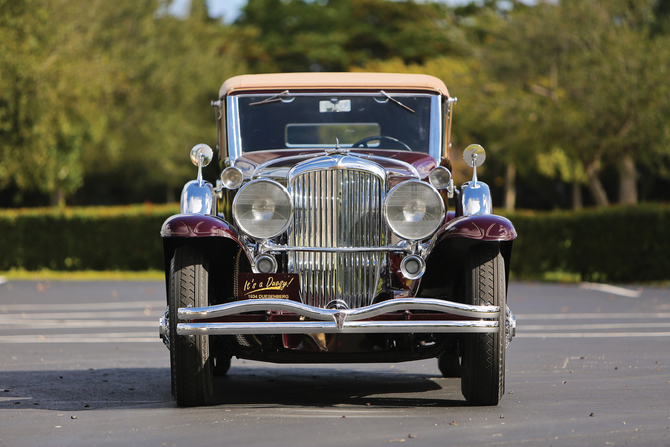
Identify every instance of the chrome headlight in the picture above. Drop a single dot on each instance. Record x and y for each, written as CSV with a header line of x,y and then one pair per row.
x,y
414,210
262,209
232,178
440,177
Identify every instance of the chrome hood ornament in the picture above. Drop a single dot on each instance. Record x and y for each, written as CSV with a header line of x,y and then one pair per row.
x,y
337,150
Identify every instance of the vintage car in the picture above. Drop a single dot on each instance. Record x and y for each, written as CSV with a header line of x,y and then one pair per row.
x,y
335,234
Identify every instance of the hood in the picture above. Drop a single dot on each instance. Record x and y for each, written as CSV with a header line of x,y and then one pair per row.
x,y
399,165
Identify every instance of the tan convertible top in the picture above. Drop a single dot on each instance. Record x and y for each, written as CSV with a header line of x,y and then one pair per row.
x,y
330,81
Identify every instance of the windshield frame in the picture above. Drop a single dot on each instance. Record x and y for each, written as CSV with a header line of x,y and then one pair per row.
x,y
234,137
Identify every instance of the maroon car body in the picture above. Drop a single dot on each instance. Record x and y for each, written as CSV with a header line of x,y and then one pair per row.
x,y
336,235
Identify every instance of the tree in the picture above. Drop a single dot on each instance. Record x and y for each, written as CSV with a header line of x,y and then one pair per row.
x,y
334,35
106,99
40,139
157,76
606,77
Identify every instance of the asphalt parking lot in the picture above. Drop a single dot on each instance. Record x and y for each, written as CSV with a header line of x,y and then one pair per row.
x,y
81,364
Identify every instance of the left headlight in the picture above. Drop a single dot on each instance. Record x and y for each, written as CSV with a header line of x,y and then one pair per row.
x,y
414,210
262,209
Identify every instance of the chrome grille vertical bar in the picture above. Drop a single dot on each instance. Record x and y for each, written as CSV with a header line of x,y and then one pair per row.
x,y
337,208
317,226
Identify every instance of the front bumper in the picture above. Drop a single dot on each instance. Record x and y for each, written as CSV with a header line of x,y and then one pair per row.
x,y
276,316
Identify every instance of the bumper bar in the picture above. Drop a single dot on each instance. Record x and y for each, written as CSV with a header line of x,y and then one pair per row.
x,y
482,318
325,327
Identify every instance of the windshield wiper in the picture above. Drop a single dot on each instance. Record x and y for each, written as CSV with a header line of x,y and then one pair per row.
x,y
274,98
396,101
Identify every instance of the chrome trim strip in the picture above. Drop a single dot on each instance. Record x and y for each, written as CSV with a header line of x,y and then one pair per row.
x,y
269,247
307,327
260,170
393,305
377,158
233,124
436,131
338,162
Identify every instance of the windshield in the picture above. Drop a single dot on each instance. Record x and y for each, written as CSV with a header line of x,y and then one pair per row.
x,y
308,120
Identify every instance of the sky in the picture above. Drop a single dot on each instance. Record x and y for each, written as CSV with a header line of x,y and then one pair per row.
x,y
230,9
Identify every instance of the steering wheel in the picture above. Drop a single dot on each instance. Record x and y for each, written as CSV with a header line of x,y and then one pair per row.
x,y
364,142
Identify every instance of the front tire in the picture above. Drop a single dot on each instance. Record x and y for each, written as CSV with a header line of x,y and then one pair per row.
x,y
190,362
483,381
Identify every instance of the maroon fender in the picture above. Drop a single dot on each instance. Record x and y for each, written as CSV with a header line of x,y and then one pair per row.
x,y
207,232
197,225
486,228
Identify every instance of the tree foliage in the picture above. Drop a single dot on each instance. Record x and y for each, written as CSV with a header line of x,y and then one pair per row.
x,y
605,73
100,101
334,35
114,93
562,88
41,131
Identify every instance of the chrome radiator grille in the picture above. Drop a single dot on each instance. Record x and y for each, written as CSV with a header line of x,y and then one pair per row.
x,y
337,208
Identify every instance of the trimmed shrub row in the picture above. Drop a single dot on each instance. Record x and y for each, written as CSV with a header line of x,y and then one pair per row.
x,y
620,244
91,238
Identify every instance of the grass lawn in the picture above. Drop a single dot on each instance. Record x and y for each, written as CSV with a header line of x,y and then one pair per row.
x,y
84,275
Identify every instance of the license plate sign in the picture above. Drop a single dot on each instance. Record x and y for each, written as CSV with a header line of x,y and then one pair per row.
x,y
257,286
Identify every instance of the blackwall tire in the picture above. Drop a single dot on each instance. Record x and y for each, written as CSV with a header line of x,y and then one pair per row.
x,y
483,381
190,362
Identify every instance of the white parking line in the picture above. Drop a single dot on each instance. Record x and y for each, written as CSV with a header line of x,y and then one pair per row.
x,y
340,413
606,288
121,337
620,322
78,307
153,313
6,324
589,334
33,320
591,316
573,327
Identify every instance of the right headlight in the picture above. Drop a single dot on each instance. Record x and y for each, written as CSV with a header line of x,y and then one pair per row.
x,y
414,210
262,209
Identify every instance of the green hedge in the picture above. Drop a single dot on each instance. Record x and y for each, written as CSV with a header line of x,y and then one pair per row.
x,y
92,238
620,244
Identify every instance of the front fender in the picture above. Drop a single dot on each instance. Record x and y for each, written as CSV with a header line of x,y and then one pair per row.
x,y
482,227
197,225
449,250
215,237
